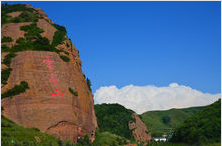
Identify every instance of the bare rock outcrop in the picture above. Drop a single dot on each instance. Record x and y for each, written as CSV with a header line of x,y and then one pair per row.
x,y
13,31
14,14
49,30
48,104
139,130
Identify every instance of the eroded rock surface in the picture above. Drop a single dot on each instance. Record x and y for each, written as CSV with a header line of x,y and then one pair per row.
x,y
139,130
48,104
14,14
49,30
13,30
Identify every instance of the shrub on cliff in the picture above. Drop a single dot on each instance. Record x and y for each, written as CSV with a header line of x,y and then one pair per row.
x,y
6,39
5,75
64,58
6,72
32,31
60,28
17,89
89,84
58,38
7,59
75,93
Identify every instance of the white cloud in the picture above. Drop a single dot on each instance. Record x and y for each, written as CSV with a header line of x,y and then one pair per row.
x,y
146,98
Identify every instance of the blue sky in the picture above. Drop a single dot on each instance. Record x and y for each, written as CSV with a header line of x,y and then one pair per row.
x,y
144,43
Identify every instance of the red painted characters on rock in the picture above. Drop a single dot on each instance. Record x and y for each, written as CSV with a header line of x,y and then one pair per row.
x,y
52,78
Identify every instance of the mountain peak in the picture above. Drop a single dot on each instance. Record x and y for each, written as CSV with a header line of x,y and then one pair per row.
x,y
43,85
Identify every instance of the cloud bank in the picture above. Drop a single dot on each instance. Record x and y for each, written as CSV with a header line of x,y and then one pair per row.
x,y
146,98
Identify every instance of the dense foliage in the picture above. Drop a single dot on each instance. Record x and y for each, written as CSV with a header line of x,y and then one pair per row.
x,y
7,59
6,72
202,127
32,31
64,58
17,89
5,75
58,38
60,28
89,84
6,39
114,118
160,122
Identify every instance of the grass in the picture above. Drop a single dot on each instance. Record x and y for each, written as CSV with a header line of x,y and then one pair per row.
x,y
13,134
108,139
213,144
165,144
155,124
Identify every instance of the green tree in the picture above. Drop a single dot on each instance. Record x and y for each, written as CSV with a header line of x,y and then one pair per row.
x,y
89,84
166,119
60,142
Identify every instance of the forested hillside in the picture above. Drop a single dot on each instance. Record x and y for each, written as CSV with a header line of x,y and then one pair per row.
x,y
114,118
203,127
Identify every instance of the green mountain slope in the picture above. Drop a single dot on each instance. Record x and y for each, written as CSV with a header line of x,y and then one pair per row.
x,y
160,122
109,139
202,127
114,118
15,135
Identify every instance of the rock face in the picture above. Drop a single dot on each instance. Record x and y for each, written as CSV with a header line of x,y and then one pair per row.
x,y
49,30
48,104
13,30
139,130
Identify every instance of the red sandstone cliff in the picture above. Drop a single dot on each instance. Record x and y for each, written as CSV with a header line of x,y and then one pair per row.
x,y
139,130
48,104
